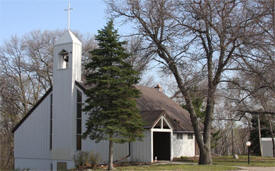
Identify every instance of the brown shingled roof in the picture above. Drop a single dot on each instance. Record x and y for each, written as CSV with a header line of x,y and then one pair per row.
x,y
153,103
150,117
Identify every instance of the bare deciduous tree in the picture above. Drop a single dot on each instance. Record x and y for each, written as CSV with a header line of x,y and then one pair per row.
x,y
193,40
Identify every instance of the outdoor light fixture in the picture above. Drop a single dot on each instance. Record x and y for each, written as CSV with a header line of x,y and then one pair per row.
x,y
248,144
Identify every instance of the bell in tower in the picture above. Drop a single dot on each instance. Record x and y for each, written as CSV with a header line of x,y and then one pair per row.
x,y
63,59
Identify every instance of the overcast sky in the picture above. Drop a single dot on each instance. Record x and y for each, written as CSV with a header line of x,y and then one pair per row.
x,y
18,17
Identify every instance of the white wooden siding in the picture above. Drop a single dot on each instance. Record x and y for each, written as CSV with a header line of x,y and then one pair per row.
x,y
64,98
121,151
183,147
31,139
141,150
37,164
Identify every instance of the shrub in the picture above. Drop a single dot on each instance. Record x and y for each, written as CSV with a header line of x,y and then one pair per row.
x,y
80,159
93,159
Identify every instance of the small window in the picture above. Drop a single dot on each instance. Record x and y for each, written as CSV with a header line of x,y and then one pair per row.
x,y
179,136
78,122
63,59
190,136
61,166
78,142
78,119
165,125
51,122
158,125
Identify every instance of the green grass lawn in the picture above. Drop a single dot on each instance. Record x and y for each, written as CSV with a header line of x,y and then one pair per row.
x,y
219,163
186,167
242,161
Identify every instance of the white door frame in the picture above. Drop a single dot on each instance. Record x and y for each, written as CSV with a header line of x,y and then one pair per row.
x,y
162,119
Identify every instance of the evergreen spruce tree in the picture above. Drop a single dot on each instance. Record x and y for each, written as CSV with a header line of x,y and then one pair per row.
x,y
111,103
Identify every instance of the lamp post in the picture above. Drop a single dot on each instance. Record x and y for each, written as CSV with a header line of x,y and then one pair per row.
x,y
248,144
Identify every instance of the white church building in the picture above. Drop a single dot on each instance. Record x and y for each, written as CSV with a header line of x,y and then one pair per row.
x,y
49,136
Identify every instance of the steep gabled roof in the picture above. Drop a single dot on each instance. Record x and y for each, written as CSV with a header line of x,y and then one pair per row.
x,y
150,117
32,109
153,100
153,103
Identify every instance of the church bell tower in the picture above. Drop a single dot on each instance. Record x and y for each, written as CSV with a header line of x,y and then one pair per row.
x,y
66,70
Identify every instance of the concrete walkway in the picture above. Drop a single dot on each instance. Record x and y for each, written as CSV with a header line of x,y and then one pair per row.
x,y
257,168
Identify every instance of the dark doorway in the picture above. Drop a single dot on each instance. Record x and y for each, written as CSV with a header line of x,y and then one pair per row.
x,y
161,145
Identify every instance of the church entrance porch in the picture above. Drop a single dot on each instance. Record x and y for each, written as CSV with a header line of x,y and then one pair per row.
x,y
162,140
162,145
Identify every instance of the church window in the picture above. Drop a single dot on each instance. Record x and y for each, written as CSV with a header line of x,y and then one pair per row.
x,y
63,59
158,125
190,136
162,124
51,121
179,136
165,125
61,166
78,119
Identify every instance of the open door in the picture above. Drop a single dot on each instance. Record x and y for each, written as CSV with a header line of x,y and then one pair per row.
x,y
162,139
162,145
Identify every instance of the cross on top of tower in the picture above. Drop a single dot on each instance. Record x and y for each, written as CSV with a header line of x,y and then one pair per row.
x,y
69,9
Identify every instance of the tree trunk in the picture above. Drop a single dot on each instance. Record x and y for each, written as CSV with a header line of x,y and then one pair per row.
x,y
272,136
273,18
205,156
110,162
260,135
203,143
232,139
